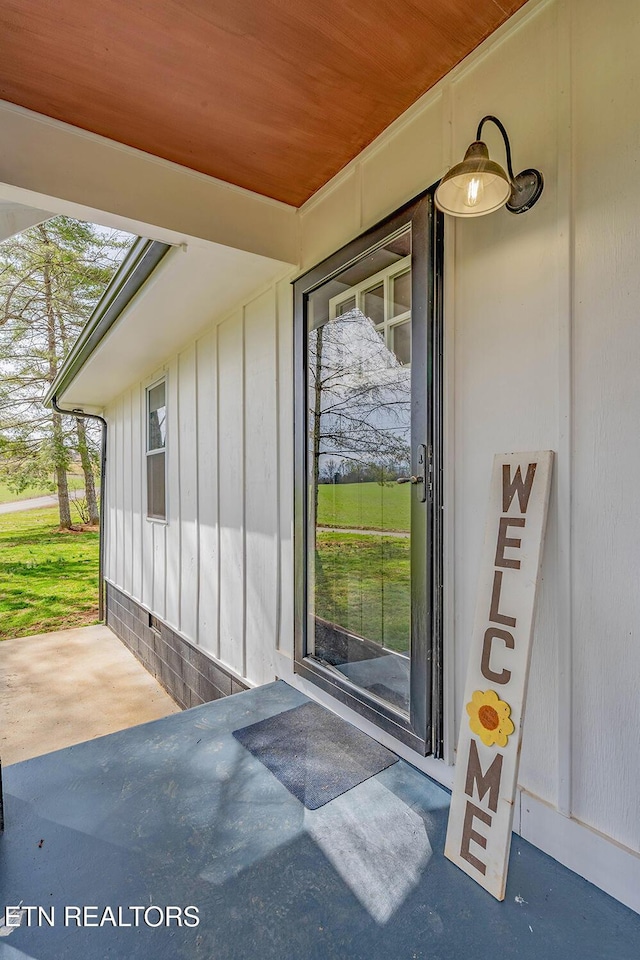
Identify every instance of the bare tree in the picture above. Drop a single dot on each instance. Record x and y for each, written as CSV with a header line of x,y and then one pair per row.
x,y
359,399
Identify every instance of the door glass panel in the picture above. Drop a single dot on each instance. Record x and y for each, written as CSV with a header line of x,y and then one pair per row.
x,y
359,444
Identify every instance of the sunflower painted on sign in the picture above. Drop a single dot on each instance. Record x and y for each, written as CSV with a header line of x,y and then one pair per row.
x,y
489,718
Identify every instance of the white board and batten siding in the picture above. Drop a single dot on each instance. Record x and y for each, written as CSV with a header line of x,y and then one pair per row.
x,y
187,421
231,494
207,478
173,530
213,571
261,466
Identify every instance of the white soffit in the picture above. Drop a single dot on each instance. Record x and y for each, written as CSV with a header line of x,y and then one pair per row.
x,y
191,287
16,217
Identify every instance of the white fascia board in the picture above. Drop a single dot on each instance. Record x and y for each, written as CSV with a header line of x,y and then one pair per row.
x,y
141,260
50,164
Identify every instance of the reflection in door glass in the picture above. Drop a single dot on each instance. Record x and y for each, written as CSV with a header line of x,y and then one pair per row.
x,y
359,419
402,293
402,341
345,306
373,306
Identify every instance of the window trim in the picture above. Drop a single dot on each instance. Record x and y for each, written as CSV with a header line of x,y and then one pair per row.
x,y
152,518
424,734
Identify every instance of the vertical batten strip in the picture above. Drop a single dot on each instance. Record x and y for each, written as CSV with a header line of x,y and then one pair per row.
x,y
136,552
187,474
564,467
178,500
232,472
111,494
276,372
141,491
285,480
127,493
206,493
216,367
173,525
135,547
196,480
120,493
243,485
261,492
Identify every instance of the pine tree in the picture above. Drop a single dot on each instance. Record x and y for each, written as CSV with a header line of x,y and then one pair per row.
x,y
51,277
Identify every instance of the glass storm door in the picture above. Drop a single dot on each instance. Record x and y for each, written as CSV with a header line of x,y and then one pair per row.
x,y
365,491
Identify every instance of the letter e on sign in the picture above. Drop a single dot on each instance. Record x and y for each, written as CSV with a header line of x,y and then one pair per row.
x,y
481,815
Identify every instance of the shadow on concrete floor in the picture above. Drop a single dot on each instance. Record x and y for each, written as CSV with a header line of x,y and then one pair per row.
x,y
178,813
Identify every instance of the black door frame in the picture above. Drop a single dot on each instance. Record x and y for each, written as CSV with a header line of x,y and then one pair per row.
x,y
423,730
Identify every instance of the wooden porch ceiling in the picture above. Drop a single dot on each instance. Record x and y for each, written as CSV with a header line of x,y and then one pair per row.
x,y
272,95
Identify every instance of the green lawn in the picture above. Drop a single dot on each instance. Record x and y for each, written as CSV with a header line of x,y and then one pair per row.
x,y
8,496
48,580
364,506
363,584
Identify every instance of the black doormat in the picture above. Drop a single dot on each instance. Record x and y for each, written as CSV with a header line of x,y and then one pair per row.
x,y
315,754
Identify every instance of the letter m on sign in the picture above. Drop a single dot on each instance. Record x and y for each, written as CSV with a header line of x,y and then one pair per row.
x,y
484,783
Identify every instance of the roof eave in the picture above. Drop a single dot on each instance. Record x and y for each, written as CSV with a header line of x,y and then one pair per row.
x,y
136,268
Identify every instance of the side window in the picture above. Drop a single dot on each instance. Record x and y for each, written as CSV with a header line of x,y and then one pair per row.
x,y
155,450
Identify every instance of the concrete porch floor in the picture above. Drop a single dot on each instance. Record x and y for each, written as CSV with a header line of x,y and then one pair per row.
x,y
61,688
178,813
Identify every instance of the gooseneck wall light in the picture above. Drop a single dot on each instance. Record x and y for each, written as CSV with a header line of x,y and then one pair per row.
x,y
479,185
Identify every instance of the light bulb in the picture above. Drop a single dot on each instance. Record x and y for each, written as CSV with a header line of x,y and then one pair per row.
x,y
474,192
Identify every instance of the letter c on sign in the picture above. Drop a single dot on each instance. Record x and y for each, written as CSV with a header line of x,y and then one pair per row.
x,y
505,675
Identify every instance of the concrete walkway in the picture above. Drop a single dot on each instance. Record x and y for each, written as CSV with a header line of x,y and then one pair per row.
x,y
58,689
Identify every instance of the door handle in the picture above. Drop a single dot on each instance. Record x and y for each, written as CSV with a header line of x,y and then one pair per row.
x,y
419,479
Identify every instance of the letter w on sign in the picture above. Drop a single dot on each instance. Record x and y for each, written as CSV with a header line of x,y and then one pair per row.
x,y
481,815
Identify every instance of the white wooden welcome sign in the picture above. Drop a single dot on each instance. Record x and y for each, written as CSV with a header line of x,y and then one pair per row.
x,y
481,815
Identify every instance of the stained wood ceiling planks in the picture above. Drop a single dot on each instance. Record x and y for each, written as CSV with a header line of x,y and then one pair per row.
x,y
273,95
